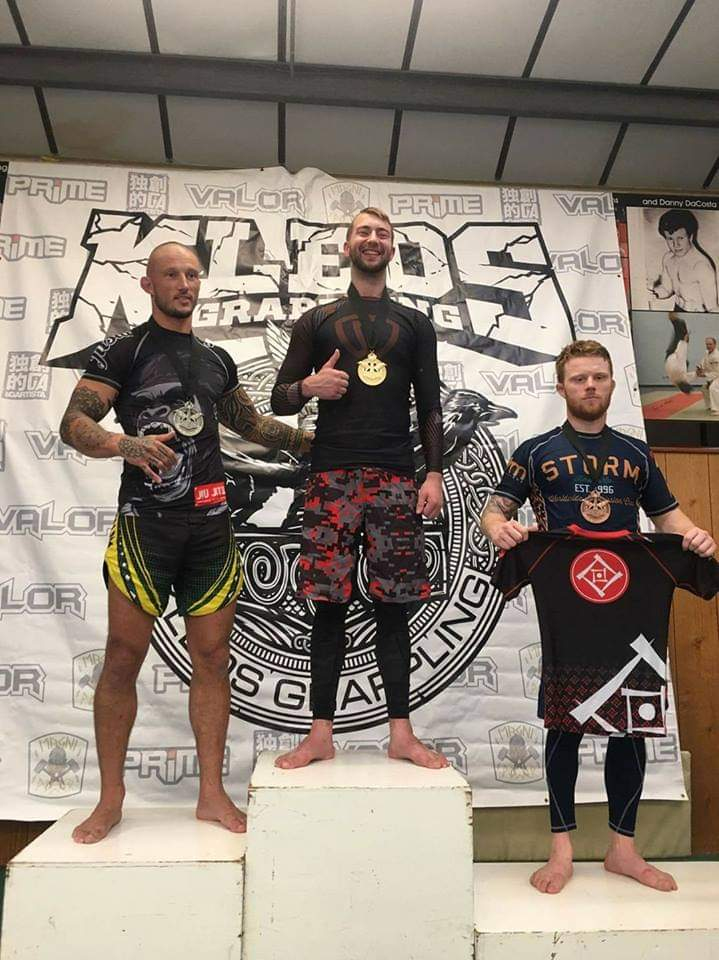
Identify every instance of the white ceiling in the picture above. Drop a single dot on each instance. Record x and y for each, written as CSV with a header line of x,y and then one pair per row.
x,y
447,146
28,135
338,138
559,151
8,33
216,28
367,34
102,24
583,40
206,132
106,125
613,41
651,151
692,60
485,36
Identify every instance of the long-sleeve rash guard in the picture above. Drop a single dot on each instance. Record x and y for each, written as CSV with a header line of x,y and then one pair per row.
x,y
369,425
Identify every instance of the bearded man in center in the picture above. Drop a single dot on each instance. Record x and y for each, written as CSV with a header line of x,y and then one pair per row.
x,y
361,356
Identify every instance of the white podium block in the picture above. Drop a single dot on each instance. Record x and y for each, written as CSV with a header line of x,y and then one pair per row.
x,y
598,916
358,858
161,885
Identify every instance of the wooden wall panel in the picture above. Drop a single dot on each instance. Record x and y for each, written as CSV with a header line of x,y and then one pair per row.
x,y
16,834
694,480
661,459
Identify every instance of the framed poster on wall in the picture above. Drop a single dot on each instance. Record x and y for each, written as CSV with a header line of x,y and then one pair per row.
x,y
670,250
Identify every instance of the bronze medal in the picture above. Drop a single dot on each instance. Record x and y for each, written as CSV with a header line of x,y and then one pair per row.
x,y
371,370
594,508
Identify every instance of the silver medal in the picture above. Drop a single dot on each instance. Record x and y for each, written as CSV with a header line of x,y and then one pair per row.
x,y
187,419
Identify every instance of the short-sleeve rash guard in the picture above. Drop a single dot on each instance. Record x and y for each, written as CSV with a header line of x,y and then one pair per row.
x,y
548,470
137,365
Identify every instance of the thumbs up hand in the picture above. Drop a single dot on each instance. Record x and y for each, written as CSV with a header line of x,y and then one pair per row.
x,y
328,383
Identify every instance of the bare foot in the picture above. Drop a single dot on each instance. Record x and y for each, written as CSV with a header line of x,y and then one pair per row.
x,y
629,863
553,876
220,809
412,749
311,748
100,822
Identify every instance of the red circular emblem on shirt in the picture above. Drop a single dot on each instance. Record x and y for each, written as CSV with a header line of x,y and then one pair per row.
x,y
599,576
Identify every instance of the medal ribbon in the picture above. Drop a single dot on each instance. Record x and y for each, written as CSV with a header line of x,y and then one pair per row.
x,y
377,308
601,456
185,376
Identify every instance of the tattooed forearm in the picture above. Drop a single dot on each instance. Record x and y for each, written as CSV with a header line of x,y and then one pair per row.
x,y
79,427
273,433
499,507
237,412
499,524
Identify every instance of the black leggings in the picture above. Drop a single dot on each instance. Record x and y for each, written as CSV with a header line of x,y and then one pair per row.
x,y
328,654
623,777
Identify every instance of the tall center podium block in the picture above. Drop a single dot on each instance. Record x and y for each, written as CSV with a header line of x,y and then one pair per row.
x,y
359,858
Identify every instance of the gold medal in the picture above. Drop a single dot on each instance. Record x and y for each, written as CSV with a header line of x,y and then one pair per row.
x,y
371,370
594,508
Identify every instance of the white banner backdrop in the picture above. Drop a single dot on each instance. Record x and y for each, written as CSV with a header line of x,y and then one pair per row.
x,y
508,276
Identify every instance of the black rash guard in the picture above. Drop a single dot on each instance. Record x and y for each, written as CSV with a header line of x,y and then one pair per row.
x,y
137,365
370,425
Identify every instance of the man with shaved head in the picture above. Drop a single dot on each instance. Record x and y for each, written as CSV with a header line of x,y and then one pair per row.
x,y
173,528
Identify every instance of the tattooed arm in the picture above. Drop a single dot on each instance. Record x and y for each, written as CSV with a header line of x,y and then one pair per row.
x,y
499,524
238,412
80,428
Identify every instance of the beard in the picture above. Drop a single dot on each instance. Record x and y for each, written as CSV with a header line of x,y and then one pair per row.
x,y
584,410
171,309
371,268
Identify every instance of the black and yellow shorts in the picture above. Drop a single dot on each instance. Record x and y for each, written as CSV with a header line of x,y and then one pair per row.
x,y
149,554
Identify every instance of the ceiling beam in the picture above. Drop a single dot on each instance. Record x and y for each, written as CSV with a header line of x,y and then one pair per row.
x,y
355,87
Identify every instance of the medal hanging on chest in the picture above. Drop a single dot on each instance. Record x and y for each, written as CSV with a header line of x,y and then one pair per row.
x,y
187,419
371,369
594,508
186,416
